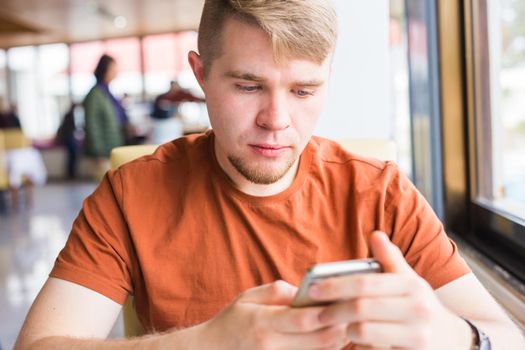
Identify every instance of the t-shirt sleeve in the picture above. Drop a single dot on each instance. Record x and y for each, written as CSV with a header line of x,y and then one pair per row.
x,y
419,234
97,254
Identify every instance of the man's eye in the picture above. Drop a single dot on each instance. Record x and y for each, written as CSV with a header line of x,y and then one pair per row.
x,y
303,93
248,88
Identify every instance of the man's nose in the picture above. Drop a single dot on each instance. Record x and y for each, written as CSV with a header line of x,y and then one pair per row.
x,y
274,114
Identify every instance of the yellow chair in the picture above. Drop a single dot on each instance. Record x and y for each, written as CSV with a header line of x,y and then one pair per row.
x,y
15,138
119,156
382,149
124,154
10,139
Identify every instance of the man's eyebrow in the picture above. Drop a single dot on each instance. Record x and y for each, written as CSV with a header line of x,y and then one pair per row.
x,y
309,83
258,79
245,76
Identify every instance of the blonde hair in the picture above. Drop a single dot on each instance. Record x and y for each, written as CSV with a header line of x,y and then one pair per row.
x,y
297,28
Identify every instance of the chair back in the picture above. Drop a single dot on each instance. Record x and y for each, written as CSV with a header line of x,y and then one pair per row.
x,y
11,138
382,149
119,156
15,138
124,154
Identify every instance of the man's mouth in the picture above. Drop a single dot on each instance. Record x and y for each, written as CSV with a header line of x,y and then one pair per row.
x,y
269,150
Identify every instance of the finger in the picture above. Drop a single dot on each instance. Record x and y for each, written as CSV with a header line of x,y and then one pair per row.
x,y
327,338
275,293
388,254
384,334
395,309
362,285
294,320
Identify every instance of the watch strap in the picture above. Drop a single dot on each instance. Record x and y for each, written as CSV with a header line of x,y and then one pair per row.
x,y
481,340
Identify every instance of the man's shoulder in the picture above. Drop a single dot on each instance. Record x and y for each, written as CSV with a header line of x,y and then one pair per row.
x,y
332,154
338,167
182,154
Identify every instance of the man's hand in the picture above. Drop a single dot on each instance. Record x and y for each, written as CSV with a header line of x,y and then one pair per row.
x,y
394,309
260,318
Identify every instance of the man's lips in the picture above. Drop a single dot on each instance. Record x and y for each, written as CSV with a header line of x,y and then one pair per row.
x,y
268,146
269,150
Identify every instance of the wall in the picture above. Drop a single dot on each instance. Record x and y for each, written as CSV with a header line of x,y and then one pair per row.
x,y
358,104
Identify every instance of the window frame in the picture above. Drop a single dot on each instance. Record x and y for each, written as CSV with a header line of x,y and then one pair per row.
x,y
465,101
425,108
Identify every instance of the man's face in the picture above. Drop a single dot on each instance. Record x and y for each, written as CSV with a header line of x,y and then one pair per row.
x,y
262,113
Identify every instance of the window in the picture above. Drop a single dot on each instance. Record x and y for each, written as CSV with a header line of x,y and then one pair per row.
x,y
23,81
53,87
43,80
400,108
84,58
159,63
39,86
501,181
425,109
184,43
484,186
166,59
126,53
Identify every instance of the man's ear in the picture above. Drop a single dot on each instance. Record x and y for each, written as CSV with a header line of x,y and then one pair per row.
x,y
197,66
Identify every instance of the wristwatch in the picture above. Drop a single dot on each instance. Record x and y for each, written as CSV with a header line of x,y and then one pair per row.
x,y
480,340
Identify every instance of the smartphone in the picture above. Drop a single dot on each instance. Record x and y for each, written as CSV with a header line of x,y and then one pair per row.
x,y
328,270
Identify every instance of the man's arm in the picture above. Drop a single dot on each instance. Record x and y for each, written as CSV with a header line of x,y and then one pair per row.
x,y
398,308
466,297
68,316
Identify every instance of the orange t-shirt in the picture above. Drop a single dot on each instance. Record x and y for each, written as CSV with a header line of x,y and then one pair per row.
x,y
171,229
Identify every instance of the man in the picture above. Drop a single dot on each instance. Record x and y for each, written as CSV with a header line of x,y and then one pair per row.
x,y
167,125
165,104
201,231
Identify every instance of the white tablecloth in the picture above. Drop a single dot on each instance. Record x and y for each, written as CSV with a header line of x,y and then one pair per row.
x,y
25,163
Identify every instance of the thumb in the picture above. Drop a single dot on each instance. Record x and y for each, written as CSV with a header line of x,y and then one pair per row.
x,y
275,293
387,253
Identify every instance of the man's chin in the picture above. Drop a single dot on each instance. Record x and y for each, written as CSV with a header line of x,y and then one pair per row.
x,y
264,173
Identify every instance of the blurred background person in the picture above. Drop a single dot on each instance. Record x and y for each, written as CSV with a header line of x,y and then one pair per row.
x,y
105,118
166,123
131,133
66,137
8,115
165,105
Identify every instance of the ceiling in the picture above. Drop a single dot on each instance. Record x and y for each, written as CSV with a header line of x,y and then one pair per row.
x,y
29,22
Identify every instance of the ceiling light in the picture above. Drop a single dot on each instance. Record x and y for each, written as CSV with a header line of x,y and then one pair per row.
x,y
120,22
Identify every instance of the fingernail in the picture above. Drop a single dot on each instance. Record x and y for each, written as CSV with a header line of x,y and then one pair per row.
x,y
382,235
314,292
323,318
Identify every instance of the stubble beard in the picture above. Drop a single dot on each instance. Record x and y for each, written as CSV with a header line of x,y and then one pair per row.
x,y
260,174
